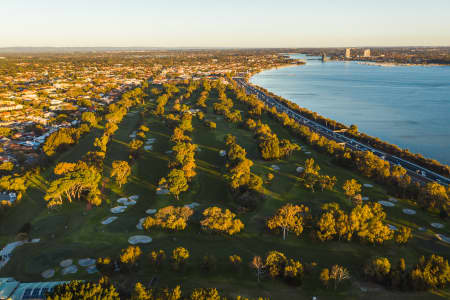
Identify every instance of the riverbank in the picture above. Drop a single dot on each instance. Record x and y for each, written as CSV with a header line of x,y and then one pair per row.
x,y
394,64
379,103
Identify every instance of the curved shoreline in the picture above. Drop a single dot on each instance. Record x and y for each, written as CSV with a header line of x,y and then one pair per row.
x,y
403,150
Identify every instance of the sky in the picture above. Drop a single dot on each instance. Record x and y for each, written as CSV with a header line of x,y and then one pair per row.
x,y
224,23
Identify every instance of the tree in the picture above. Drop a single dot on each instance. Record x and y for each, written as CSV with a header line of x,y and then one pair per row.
x,y
89,117
121,170
289,218
325,277
434,195
157,258
431,273
339,274
130,255
351,188
293,272
258,265
177,182
135,145
179,257
84,290
235,260
6,166
403,235
221,221
275,262
169,217
378,269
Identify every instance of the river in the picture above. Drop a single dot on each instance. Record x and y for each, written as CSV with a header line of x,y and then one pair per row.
x,y
404,105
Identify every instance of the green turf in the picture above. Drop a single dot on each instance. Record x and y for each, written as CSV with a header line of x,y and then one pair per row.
x,y
73,231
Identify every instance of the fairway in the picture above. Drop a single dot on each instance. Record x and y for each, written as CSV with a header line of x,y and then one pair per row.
x,y
74,230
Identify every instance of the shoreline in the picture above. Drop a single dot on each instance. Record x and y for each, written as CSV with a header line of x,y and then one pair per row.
x,y
402,149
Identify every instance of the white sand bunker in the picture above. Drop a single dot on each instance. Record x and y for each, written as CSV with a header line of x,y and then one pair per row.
x,y
409,211
198,149
150,211
437,225
48,273
307,152
386,203
162,191
222,153
275,167
392,199
86,262
69,270
443,238
139,225
139,239
392,227
365,198
150,141
118,209
66,263
148,148
169,152
126,201
368,185
109,220
422,229
300,169
192,205
91,269
134,197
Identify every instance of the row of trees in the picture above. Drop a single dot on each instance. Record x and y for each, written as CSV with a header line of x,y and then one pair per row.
x,y
373,141
62,138
431,195
432,272
312,179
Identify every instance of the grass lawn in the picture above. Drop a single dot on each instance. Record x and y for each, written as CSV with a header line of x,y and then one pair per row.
x,y
73,231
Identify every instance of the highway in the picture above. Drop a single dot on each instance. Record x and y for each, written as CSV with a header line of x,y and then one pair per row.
x,y
416,172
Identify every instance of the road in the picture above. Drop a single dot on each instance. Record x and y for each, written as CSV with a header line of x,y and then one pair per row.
x,y
416,172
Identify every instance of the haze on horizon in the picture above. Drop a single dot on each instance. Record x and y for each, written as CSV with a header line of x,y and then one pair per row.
x,y
232,23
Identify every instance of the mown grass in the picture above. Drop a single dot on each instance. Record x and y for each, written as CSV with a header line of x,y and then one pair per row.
x,y
72,231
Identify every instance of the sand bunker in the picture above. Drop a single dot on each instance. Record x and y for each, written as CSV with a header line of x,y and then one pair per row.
x,y
392,227
368,185
150,141
148,148
169,152
139,225
365,198
139,239
150,211
275,167
307,152
162,191
126,201
48,273
69,270
386,203
409,211
222,153
300,169
392,199
422,229
134,197
437,225
86,262
443,238
66,263
109,220
118,209
192,205
91,269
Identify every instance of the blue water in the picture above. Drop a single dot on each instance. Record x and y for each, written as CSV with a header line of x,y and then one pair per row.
x,y
405,105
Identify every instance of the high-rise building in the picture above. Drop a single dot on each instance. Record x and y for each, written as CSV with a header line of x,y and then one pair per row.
x,y
348,53
367,53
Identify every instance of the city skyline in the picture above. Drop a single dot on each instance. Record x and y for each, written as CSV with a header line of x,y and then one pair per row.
x,y
228,24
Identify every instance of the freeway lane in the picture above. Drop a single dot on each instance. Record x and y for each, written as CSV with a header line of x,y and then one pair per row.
x,y
416,172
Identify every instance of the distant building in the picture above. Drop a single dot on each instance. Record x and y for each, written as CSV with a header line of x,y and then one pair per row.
x,y
348,53
366,53
16,290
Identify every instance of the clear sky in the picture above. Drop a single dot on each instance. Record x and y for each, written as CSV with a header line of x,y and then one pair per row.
x,y
224,23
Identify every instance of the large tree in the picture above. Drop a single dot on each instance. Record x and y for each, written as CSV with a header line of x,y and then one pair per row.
x,y
121,170
289,218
